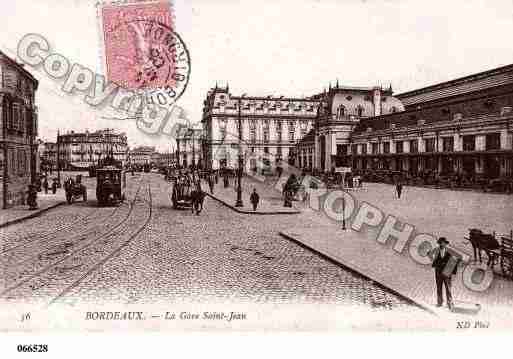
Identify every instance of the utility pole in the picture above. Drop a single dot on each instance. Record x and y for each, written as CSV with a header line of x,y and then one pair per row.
x,y
239,203
58,159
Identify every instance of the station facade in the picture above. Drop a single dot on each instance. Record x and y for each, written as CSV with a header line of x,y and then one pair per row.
x,y
461,127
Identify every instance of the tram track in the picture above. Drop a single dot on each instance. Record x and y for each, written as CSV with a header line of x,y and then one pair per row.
x,y
111,255
77,251
55,241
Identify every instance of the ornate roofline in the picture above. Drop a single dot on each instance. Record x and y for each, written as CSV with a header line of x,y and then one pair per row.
x,y
457,81
20,68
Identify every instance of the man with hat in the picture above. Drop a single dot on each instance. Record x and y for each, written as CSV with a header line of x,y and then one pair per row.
x,y
445,265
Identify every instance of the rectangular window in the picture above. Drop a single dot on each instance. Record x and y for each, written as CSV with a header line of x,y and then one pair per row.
x,y
375,148
386,147
266,149
448,144
340,150
430,144
399,147
414,146
469,143
16,114
291,136
364,148
493,141
266,136
354,149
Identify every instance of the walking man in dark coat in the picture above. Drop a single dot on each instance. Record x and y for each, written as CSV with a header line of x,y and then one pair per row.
x,y
445,265
254,199
399,189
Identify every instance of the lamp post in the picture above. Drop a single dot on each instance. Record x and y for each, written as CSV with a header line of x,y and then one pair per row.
x,y
58,159
177,152
343,212
193,150
239,203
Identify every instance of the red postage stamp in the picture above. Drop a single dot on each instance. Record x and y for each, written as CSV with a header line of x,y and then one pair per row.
x,y
142,50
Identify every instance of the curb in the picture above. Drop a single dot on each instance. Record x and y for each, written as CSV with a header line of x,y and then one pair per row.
x,y
251,212
345,267
32,215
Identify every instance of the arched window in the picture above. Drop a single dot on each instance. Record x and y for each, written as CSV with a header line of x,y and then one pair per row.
x,y
359,110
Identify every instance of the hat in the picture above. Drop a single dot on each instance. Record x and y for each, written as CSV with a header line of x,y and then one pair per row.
x,y
442,239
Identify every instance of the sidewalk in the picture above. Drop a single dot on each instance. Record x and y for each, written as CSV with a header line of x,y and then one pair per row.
x,y
399,273
17,214
269,203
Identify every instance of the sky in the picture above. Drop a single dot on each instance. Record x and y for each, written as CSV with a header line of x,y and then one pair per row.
x,y
281,47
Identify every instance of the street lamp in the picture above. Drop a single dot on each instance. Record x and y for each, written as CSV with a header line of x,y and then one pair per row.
x,y
343,212
239,203
193,150
58,159
177,152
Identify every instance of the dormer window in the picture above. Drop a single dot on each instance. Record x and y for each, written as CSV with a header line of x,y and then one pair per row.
x,y
341,111
349,98
506,109
457,116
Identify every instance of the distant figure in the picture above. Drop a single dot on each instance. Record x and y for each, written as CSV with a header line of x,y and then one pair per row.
x,y
54,186
254,199
211,183
442,261
45,185
32,196
399,189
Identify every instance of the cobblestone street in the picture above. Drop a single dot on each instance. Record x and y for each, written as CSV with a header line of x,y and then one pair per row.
x,y
144,251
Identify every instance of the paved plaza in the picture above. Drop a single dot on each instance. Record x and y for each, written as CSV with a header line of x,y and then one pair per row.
x,y
145,251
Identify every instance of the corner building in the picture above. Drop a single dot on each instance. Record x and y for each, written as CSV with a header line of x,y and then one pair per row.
x,y
18,120
271,127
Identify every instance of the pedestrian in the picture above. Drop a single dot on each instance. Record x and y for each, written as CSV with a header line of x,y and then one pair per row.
x,y
399,189
45,185
254,199
445,265
54,186
211,184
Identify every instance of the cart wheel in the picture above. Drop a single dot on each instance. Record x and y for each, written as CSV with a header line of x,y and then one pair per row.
x,y
507,264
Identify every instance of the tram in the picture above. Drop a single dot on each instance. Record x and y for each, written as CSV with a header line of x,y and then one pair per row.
x,y
110,182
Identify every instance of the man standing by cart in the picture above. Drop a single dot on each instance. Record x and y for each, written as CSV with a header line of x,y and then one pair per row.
x,y
445,265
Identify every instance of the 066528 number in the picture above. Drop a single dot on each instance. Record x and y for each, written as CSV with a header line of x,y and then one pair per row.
x,y
33,348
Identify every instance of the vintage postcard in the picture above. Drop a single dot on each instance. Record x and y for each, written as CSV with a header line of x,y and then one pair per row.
x,y
174,165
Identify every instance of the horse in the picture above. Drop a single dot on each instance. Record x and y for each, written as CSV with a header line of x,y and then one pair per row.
x,y
197,198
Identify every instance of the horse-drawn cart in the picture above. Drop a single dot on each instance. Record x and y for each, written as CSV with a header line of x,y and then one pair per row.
x,y
75,189
181,195
187,194
499,251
